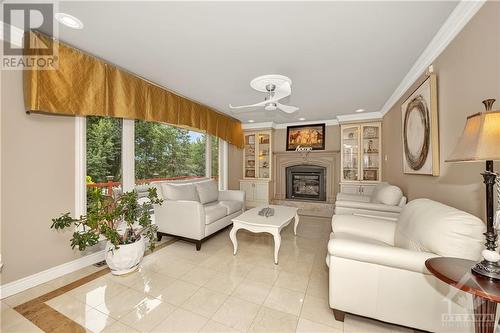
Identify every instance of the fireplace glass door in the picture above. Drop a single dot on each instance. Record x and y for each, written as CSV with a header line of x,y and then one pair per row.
x,y
305,186
306,182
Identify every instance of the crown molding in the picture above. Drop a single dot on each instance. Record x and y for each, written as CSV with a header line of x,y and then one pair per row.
x,y
270,124
367,116
457,20
262,125
328,122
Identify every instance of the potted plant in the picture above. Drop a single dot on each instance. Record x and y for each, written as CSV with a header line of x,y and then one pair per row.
x,y
124,222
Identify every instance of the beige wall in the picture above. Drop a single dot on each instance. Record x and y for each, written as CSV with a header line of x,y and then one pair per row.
x,y
468,71
235,166
37,171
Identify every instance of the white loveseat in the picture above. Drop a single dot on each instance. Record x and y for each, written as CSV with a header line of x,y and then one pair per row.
x,y
377,266
194,210
386,200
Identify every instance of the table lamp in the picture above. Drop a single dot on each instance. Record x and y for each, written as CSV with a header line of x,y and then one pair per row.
x,y
480,141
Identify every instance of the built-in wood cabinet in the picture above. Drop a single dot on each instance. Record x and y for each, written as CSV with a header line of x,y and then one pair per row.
x,y
257,192
361,167
257,167
257,155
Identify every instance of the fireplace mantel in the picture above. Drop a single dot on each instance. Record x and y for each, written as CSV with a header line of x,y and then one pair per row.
x,y
325,158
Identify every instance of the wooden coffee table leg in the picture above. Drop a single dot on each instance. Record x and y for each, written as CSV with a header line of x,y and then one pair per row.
x,y
484,315
232,236
277,245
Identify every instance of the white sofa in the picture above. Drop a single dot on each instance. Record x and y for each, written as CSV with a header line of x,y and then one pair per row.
x,y
377,266
194,210
386,201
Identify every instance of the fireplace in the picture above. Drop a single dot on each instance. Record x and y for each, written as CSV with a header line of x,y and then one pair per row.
x,y
306,182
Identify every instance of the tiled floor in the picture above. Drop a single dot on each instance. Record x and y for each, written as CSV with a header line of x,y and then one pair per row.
x,y
178,289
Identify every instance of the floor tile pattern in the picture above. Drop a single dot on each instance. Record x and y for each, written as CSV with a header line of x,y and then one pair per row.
x,y
179,289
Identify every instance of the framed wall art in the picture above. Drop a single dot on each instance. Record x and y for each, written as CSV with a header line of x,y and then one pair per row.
x,y
419,118
305,136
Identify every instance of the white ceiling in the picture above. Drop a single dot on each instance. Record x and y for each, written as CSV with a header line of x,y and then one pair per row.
x,y
341,56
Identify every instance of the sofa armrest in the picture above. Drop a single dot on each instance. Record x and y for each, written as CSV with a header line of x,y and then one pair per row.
x,y
368,206
181,218
380,229
386,255
352,197
235,195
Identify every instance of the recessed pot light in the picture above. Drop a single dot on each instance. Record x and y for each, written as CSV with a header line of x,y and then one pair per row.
x,y
360,110
302,119
251,121
69,20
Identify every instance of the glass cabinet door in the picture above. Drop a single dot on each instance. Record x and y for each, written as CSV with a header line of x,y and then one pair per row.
x,y
249,160
264,155
350,153
371,154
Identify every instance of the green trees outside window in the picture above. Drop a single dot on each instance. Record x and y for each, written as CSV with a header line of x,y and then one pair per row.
x,y
163,151
104,145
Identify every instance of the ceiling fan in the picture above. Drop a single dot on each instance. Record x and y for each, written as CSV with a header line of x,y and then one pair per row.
x,y
276,87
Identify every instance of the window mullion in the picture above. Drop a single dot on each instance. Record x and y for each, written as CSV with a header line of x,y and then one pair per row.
x,y
208,156
128,155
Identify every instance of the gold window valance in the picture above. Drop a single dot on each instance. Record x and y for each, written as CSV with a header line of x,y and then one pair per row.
x,y
83,85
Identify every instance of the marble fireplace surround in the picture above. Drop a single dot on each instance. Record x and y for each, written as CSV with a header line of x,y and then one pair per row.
x,y
327,159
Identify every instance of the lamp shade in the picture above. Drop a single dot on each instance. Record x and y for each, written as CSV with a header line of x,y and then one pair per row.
x,y
480,140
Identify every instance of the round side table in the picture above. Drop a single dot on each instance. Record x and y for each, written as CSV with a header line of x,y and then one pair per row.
x,y
485,292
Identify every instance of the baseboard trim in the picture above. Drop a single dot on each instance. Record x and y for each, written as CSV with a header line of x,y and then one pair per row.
x,y
34,280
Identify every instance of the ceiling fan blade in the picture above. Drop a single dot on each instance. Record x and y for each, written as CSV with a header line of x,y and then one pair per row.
x,y
287,108
281,92
248,106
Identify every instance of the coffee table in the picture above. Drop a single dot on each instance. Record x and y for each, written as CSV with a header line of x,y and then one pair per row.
x,y
252,221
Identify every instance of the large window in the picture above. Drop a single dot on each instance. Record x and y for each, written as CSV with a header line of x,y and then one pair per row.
x,y
120,154
163,151
104,152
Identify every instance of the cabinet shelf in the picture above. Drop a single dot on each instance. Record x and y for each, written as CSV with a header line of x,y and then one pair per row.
x,y
361,149
258,152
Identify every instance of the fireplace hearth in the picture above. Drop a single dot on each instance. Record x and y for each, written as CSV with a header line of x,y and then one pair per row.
x,y
306,182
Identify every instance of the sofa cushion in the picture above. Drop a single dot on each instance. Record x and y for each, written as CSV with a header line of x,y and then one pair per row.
x,y
179,192
232,206
389,195
376,189
214,211
208,191
430,226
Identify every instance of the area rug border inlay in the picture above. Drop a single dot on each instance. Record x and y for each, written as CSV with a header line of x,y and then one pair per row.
x,y
50,320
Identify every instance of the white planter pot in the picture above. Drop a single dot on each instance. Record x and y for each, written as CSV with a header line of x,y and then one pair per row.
x,y
125,259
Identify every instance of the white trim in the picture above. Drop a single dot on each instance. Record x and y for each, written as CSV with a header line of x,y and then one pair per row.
x,y
208,156
267,125
80,166
223,165
248,126
128,155
367,116
328,122
34,280
457,20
